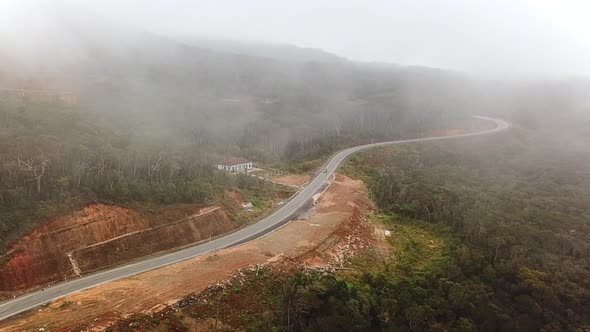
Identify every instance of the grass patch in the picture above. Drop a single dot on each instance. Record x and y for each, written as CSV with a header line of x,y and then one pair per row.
x,y
417,245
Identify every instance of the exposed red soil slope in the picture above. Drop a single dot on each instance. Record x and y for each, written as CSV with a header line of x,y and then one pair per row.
x,y
208,223
42,256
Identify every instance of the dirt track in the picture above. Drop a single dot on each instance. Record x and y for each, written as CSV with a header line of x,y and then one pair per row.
x,y
151,291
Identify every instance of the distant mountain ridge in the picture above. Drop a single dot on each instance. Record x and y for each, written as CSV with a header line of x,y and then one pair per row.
x,y
276,51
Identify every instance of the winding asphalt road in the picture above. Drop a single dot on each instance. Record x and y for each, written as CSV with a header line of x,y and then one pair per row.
x,y
297,204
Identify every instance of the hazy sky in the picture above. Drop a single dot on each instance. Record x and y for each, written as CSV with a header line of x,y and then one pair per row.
x,y
516,37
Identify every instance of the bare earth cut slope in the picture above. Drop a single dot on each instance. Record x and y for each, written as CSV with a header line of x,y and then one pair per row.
x,y
104,235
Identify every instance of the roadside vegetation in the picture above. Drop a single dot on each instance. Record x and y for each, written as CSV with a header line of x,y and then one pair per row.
x,y
364,296
517,206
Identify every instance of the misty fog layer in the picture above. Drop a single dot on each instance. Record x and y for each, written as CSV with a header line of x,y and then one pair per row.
x,y
273,101
501,38
495,38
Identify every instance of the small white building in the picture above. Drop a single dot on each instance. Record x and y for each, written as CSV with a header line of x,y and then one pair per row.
x,y
236,165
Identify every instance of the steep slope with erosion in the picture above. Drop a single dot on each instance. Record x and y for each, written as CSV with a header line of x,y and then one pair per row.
x,y
208,222
101,235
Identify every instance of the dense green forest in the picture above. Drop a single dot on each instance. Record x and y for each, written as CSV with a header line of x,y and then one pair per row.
x,y
513,211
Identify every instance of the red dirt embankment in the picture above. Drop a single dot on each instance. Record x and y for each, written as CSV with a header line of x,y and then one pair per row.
x,y
102,235
206,224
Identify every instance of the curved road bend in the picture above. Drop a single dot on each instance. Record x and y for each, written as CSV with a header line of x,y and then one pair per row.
x,y
264,226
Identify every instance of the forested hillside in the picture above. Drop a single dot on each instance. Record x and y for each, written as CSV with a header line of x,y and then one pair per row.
x,y
513,211
149,116
245,102
53,158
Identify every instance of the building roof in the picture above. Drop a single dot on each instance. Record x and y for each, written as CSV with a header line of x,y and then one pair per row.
x,y
235,161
